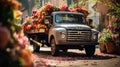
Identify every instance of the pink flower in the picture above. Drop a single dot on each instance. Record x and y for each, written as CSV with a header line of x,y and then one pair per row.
x,y
22,39
110,27
115,36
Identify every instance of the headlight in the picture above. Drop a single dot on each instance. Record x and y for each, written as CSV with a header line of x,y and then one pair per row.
x,y
94,37
62,34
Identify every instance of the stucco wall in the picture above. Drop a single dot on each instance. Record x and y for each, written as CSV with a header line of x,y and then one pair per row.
x,y
58,3
102,9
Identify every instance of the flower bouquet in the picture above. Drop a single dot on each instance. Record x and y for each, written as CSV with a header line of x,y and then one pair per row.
x,y
13,42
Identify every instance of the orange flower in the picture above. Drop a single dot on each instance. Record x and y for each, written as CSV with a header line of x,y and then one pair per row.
x,y
26,55
48,6
73,10
28,27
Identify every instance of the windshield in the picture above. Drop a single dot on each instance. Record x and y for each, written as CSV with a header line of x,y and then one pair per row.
x,y
69,19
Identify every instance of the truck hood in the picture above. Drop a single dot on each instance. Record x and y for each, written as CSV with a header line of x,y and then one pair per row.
x,y
74,26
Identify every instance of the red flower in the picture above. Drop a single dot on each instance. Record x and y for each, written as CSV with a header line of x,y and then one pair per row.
x,y
64,8
48,6
115,36
79,8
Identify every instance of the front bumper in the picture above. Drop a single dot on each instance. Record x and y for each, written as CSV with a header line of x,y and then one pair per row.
x,y
75,43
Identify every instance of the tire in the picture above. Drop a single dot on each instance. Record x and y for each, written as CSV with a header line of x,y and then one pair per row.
x,y
54,48
64,50
90,50
47,44
36,48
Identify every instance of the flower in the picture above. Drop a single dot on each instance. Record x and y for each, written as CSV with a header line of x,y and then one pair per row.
x,y
48,6
21,39
73,10
115,36
117,20
10,15
111,27
106,36
64,8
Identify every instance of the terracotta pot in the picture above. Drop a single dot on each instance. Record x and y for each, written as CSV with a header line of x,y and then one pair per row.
x,y
111,47
102,47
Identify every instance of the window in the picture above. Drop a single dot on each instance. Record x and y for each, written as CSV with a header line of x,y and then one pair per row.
x,y
69,18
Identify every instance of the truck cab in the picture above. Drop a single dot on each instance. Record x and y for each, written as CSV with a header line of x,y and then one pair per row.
x,y
69,30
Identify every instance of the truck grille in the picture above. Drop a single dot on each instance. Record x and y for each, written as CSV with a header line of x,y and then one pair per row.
x,y
78,35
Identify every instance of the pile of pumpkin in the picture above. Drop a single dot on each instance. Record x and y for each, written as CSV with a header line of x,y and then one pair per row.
x,y
36,21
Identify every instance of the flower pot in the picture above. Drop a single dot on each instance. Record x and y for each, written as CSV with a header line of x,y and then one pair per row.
x,y
111,47
102,47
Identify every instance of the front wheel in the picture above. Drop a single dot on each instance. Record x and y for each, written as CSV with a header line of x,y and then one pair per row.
x,y
90,50
64,49
54,48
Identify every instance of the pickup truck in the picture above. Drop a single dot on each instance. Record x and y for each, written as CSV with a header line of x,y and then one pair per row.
x,y
68,30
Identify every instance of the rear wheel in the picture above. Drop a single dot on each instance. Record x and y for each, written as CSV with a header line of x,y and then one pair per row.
x,y
54,48
36,48
47,44
90,50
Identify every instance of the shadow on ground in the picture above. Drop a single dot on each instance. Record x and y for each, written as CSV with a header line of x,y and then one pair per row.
x,y
71,56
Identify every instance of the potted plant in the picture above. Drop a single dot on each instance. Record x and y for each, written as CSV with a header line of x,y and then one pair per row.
x,y
106,43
